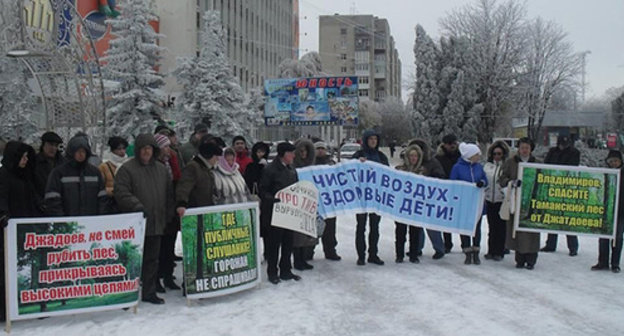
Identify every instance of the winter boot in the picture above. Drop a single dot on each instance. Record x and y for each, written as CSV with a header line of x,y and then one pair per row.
x,y
468,253
169,283
475,255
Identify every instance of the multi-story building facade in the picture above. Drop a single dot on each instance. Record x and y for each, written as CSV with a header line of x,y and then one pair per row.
x,y
259,35
361,45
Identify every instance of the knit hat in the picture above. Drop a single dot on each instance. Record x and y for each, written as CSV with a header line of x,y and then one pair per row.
x,y
614,154
51,137
449,139
320,144
237,138
201,128
162,141
468,150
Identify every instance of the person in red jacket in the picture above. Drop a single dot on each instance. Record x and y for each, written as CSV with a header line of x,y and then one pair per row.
x,y
242,153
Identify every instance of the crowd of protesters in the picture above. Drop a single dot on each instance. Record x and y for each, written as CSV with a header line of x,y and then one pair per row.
x,y
162,179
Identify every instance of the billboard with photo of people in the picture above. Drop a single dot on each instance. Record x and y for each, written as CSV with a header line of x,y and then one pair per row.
x,y
311,101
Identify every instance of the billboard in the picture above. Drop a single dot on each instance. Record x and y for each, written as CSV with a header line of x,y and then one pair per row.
x,y
314,101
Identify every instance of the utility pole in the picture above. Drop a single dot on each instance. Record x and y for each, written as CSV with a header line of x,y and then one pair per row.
x,y
583,73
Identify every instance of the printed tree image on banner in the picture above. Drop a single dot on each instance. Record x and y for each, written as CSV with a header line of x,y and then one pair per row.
x,y
220,249
61,266
568,199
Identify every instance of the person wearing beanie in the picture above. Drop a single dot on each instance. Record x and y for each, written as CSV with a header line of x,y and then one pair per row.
x,y
239,144
190,148
370,151
614,161
175,155
447,155
143,184
76,188
278,175
470,170
115,159
48,158
563,154
526,244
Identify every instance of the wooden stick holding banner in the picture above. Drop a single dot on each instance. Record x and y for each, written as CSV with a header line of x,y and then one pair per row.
x,y
297,208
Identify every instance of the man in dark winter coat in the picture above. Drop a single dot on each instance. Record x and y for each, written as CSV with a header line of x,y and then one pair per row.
x,y
48,158
278,175
370,151
76,188
563,154
196,187
447,155
143,185
329,235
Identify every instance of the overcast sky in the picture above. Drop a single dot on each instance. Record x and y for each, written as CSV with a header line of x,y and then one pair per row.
x,y
597,26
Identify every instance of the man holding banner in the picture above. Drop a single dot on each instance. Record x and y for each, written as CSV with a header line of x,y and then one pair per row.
x,y
278,175
370,151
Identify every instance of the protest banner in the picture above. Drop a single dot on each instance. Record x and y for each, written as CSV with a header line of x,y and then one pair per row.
x,y
565,199
354,187
220,249
297,208
68,265
311,101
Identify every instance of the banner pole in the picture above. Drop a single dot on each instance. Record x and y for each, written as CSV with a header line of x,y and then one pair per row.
x,y
7,327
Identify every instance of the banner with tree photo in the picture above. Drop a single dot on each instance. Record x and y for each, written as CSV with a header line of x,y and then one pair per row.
x,y
220,245
68,265
571,200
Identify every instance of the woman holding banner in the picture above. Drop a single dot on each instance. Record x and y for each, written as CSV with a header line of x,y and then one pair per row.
x,y
470,170
526,244
614,160
370,151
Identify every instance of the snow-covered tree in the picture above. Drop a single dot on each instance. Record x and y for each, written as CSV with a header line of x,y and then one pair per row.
x,y
132,61
309,65
211,93
617,112
395,120
426,94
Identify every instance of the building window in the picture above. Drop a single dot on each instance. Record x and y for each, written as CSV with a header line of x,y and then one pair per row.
x,y
343,31
361,67
343,44
363,93
343,69
343,56
363,80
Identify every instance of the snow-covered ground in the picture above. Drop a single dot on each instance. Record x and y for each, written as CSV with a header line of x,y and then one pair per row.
x,y
561,296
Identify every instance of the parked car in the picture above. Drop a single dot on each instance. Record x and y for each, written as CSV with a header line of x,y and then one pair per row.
x,y
347,150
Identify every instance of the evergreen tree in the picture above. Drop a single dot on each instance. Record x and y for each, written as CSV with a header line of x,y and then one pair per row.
x,y
132,61
212,94
453,113
18,104
426,94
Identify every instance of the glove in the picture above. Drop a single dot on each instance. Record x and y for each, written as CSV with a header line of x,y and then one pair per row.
x,y
518,183
480,184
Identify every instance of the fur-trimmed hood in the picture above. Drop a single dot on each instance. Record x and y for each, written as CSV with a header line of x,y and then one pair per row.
x,y
309,160
503,145
406,164
424,146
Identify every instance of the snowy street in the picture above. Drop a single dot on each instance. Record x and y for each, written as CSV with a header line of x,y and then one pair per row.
x,y
436,297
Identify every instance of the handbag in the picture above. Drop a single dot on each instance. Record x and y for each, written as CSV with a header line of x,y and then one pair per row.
x,y
254,197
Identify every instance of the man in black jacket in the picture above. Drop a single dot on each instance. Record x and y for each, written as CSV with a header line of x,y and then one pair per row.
x,y
48,158
278,175
447,155
76,188
563,154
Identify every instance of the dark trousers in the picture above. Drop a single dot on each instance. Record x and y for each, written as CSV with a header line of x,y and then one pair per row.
x,y
497,230
373,235
329,237
279,240
400,230
434,236
616,251
448,241
526,258
149,271
166,258
476,240
551,242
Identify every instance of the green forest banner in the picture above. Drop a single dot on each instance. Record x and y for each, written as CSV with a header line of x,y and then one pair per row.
x,y
220,246
68,265
564,199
